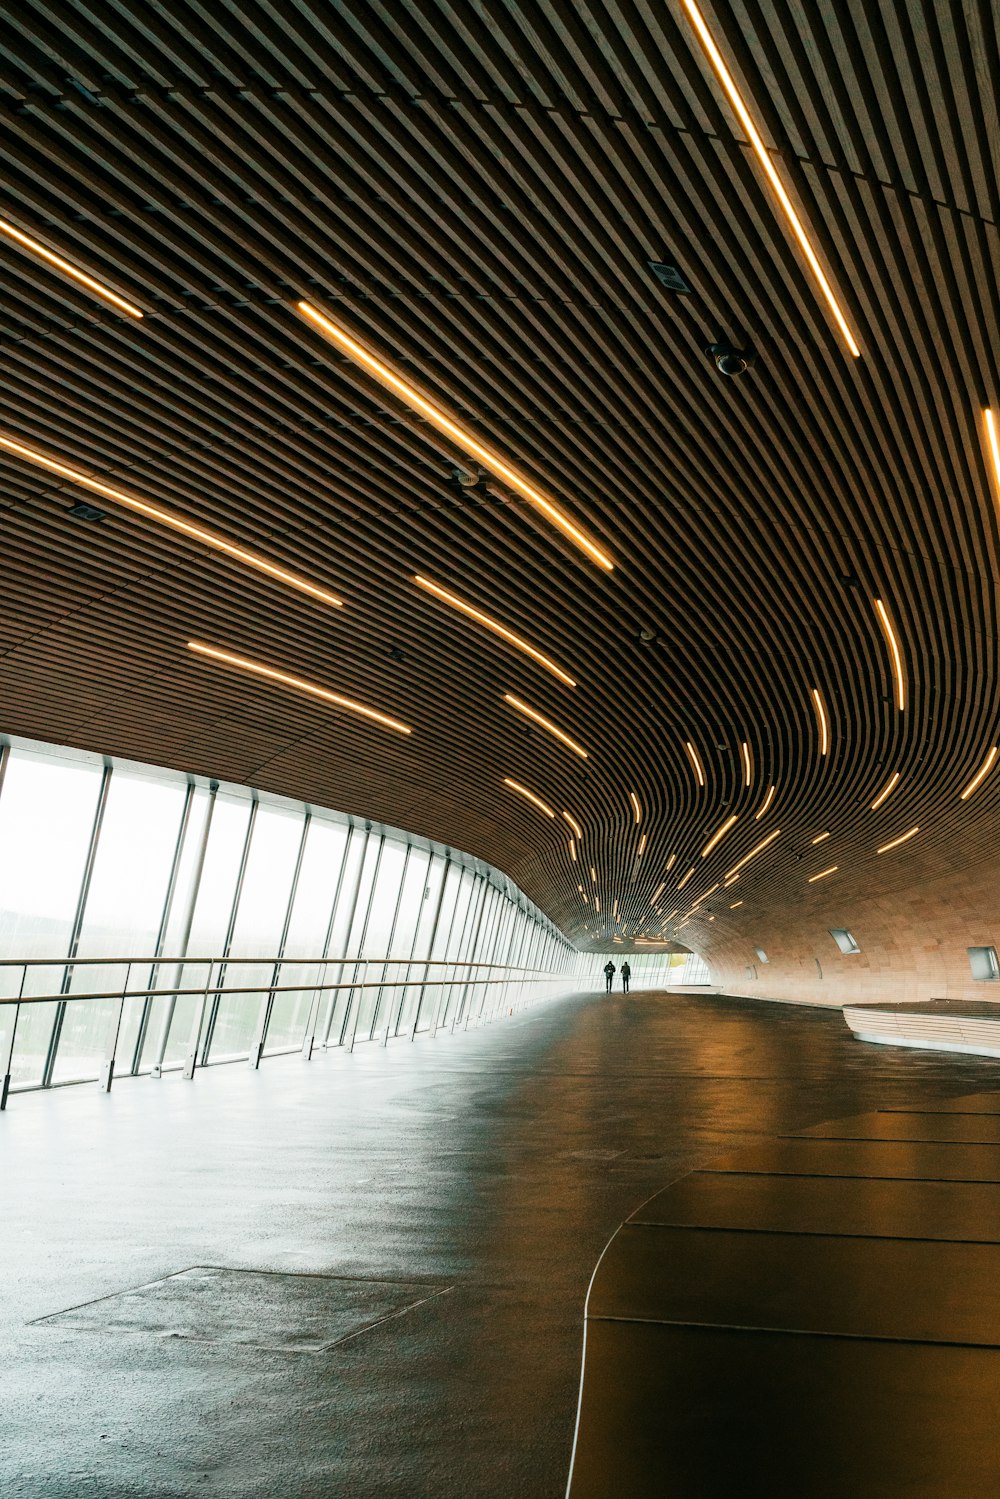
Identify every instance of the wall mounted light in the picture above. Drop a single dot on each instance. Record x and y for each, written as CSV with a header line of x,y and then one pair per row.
x,y
897,841
258,669
758,848
980,775
695,759
769,798
821,720
529,795
173,522
886,791
577,829
717,837
764,157
545,723
895,654
42,252
457,434
454,602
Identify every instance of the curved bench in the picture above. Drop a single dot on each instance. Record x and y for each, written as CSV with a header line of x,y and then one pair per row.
x,y
933,1025
815,1317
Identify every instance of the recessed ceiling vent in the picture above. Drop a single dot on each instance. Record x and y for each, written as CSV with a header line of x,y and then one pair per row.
x,y
984,964
844,940
669,276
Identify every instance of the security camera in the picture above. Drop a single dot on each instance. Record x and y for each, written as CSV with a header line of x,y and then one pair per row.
x,y
729,360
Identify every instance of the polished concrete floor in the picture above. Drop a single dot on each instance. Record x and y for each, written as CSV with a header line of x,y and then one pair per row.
x,y
419,1225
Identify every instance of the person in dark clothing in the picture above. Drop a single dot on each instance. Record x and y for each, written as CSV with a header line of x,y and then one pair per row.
x,y
626,975
609,974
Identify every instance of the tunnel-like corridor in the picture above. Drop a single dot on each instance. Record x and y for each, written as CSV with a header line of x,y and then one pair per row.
x,y
414,1232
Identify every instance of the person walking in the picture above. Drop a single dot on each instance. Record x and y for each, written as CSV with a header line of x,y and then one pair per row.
x,y
626,975
609,974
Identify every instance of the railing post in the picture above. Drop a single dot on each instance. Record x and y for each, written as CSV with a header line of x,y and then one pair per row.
x,y
8,1062
114,1031
197,1022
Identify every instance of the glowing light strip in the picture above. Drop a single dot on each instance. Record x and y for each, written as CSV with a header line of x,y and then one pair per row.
x,y
515,702
597,903
682,882
760,150
994,445
458,435
823,874
492,624
824,727
886,791
747,763
671,862
175,522
593,874
695,761
577,829
657,892
735,904
256,668
897,660
753,853
636,809
537,800
702,898
819,839
572,849
897,841
44,253
731,881
718,837
980,774
769,798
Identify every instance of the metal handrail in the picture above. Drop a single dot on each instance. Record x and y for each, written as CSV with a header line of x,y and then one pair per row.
x,y
467,974
221,989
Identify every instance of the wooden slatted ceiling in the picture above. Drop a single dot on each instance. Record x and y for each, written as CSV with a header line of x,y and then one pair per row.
x,y
475,192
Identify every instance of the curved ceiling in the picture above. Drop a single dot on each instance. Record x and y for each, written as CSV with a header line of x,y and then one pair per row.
x,y
473,195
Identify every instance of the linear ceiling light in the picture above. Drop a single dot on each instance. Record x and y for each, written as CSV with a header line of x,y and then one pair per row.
x,y
577,829
718,837
897,841
769,798
993,441
523,790
636,809
763,156
515,702
819,839
492,624
753,853
822,721
735,904
695,761
747,763
731,881
886,791
25,242
980,774
642,847
175,522
894,651
683,881
458,435
597,903
671,862
702,898
823,874
256,668
593,874
657,892
572,849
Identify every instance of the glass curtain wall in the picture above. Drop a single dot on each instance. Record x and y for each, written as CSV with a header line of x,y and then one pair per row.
x,y
170,886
